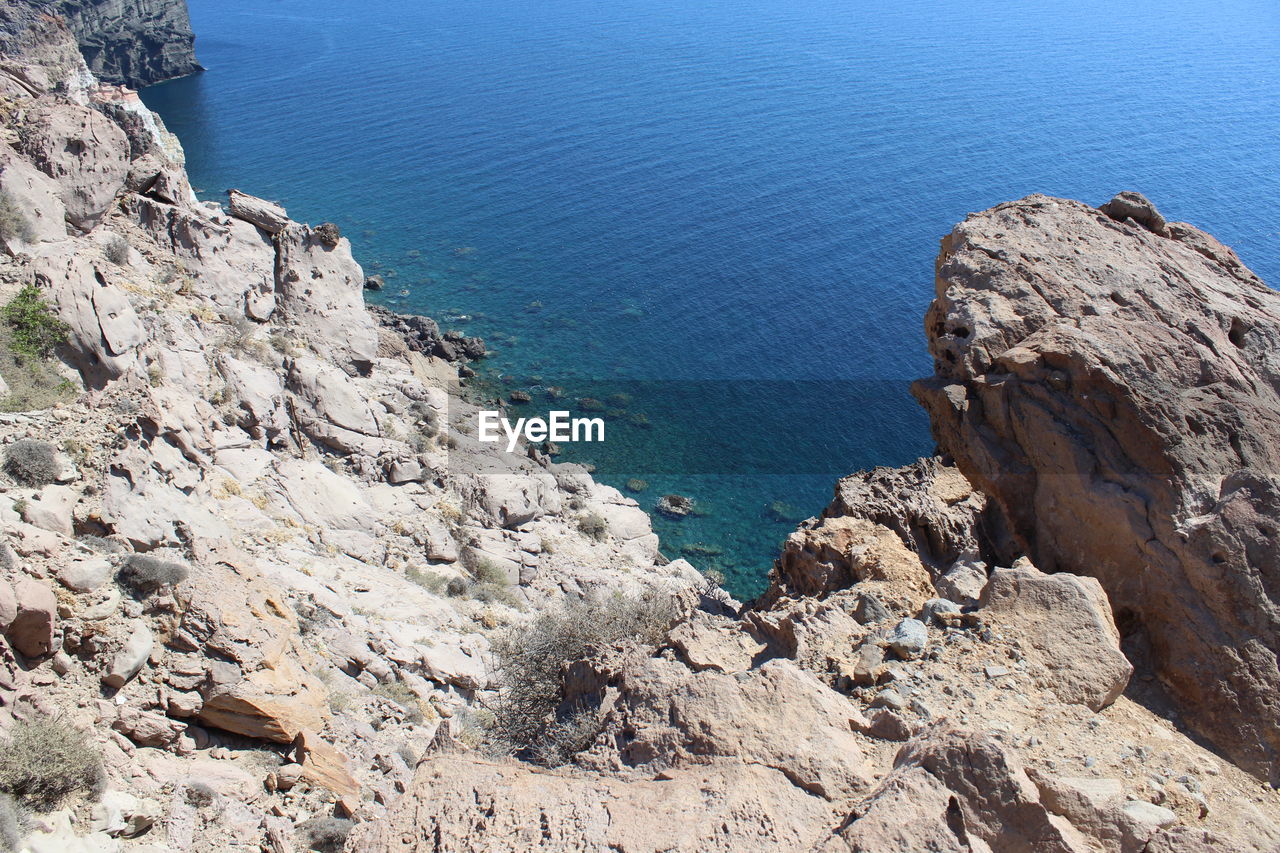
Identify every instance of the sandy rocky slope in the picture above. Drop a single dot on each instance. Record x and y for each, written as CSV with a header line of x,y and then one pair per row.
x,y
1060,635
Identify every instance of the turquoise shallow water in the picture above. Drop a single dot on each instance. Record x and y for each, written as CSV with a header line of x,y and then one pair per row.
x,y
681,196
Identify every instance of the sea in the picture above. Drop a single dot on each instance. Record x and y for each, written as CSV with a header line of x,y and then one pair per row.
x,y
714,223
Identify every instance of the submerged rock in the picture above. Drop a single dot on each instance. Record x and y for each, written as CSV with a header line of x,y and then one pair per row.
x,y
675,506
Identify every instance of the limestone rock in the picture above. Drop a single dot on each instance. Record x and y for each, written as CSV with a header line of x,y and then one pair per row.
x,y
229,260
1116,393
51,510
672,716
321,290
936,512
268,216
105,332
835,553
908,638
949,789
35,195
272,704
86,575
323,765
85,154
1064,622
129,661
331,411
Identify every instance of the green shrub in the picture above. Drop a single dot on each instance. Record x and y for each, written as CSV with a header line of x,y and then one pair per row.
x,y
528,660
325,834
31,462
36,331
595,526
13,221
143,574
47,760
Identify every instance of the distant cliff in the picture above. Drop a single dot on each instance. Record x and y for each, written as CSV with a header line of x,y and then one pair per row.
x,y
135,42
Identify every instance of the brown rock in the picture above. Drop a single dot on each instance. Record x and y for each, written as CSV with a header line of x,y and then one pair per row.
x,y
1116,393
323,765
950,790
661,714
31,629
1063,622
458,804
835,553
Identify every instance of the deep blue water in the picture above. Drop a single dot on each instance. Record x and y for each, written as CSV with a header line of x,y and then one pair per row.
x,y
716,191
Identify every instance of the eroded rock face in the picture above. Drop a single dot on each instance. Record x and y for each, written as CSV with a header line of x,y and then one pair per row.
x,y
135,42
950,789
85,152
665,715
1116,392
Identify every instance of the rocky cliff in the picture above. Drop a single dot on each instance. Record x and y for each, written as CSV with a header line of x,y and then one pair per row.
x,y
250,548
1110,380
133,42
262,589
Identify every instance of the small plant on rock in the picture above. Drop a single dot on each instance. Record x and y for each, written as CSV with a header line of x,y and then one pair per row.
x,y
325,834
35,329
116,250
595,526
14,224
528,659
46,761
143,574
31,462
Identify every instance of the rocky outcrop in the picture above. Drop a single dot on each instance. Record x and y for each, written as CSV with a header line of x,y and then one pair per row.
x,y
1109,380
693,810
1065,625
134,42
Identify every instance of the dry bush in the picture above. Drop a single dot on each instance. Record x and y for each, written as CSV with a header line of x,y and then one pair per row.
x,y
528,664
143,574
325,834
31,462
47,760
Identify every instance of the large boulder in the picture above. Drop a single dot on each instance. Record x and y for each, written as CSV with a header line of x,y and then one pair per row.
x,y
228,259
35,614
659,714
951,790
40,216
931,506
1063,623
1116,392
104,331
83,151
832,554
320,289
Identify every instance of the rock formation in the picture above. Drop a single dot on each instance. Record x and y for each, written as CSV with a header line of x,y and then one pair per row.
x,y
132,42
1110,381
264,566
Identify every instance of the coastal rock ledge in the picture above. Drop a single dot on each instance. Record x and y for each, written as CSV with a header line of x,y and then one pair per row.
x,y
1046,638
1112,385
